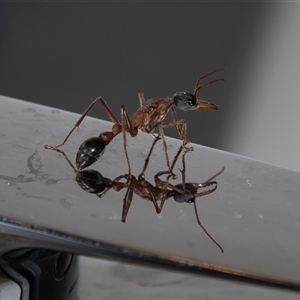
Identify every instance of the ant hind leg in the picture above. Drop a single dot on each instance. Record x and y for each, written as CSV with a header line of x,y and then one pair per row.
x,y
76,125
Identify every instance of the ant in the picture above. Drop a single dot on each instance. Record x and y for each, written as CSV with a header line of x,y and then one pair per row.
x,y
92,181
147,118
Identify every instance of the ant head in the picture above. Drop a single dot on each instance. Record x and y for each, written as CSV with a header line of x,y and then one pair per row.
x,y
188,101
91,181
189,193
185,100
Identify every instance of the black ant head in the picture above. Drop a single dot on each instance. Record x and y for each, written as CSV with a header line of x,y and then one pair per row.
x,y
188,101
89,152
189,193
184,100
91,181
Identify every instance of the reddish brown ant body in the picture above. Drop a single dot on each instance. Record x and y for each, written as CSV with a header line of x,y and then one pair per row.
x,y
147,118
92,181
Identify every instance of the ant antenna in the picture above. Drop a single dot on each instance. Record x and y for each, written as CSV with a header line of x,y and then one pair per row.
x,y
203,228
206,84
205,184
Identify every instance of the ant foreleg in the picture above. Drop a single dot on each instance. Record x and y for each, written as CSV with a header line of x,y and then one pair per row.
x,y
182,130
161,132
156,177
183,167
142,175
126,120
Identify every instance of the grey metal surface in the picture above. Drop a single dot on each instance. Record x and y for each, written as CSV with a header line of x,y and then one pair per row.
x,y
101,279
254,214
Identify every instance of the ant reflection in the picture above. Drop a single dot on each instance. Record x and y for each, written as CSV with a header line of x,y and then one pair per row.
x,y
92,181
147,118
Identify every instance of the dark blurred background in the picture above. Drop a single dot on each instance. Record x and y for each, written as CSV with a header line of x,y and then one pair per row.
x,y
66,54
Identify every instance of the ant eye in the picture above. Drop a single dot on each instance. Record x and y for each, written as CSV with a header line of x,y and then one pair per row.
x,y
191,102
184,100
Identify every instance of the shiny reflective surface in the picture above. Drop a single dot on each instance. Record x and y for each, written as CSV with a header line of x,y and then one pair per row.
x,y
254,214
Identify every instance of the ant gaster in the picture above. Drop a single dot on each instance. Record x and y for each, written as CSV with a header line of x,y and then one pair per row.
x,y
92,181
147,118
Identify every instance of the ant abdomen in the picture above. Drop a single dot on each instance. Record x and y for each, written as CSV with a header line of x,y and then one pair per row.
x,y
91,181
189,193
184,100
89,152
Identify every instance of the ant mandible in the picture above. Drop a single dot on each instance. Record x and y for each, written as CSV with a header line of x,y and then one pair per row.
x,y
147,118
92,181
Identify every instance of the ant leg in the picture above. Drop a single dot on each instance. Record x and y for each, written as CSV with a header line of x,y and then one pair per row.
x,y
76,126
142,175
161,132
183,166
176,157
175,119
117,186
160,127
183,171
126,119
142,99
165,184
111,115
67,159
126,203
123,114
182,130
166,194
